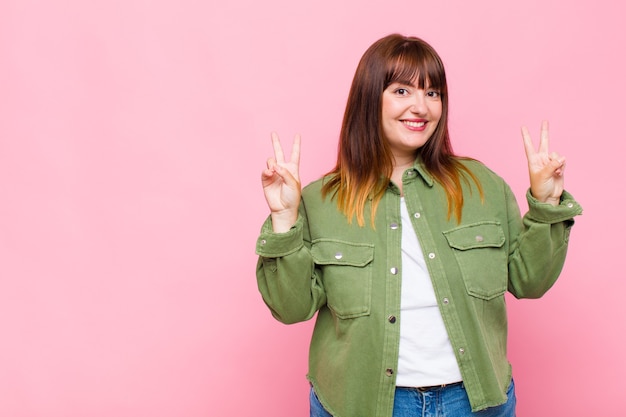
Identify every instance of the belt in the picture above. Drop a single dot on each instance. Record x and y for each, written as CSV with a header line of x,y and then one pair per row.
x,y
435,387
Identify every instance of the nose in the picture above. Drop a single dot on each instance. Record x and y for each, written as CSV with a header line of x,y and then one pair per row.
x,y
418,106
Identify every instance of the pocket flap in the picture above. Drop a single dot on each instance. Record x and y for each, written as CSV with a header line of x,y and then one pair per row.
x,y
338,252
476,235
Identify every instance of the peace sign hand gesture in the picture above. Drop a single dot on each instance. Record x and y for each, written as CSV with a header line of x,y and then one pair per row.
x,y
545,169
281,185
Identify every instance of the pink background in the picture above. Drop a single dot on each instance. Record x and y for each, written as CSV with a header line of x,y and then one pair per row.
x,y
132,137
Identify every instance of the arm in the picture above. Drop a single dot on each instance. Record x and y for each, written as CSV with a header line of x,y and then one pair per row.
x,y
539,242
286,274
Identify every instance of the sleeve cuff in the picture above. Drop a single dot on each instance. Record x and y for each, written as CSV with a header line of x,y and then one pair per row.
x,y
547,213
275,245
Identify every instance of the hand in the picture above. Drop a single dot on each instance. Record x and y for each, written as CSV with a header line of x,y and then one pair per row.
x,y
281,185
545,169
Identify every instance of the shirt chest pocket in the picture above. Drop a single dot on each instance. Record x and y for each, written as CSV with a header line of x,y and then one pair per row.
x,y
346,270
481,255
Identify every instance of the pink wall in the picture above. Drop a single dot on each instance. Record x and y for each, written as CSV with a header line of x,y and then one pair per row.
x,y
133,134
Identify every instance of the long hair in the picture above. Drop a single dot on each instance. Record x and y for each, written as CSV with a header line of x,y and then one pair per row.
x,y
364,159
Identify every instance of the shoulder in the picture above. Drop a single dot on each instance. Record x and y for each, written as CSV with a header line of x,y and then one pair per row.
x,y
315,187
313,192
479,169
489,180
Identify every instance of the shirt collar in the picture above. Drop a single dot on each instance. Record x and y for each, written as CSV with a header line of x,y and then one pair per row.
x,y
417,170
420,169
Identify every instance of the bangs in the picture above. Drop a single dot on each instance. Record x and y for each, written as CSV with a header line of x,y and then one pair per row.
x,y
413,63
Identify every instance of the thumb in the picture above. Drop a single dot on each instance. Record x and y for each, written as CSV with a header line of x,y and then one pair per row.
x,y
556,160
286,176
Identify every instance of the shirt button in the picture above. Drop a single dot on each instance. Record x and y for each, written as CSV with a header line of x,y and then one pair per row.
x,y
263,242
570,205
446,301
392,319
417,215
389,372
462,351
479,238
338,255
393,226
394,270
431,255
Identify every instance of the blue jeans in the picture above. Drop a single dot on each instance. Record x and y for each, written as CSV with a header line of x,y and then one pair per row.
x,y
450,401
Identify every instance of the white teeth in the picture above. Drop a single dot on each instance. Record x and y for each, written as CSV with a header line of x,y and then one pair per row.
x,y
413,124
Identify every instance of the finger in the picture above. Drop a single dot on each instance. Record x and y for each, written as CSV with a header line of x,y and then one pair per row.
x,y
557,160
556,157
528,143
544,137
295,150
278,150
267,174
288,178
559,171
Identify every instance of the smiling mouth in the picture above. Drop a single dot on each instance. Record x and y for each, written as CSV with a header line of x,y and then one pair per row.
x,y
413,124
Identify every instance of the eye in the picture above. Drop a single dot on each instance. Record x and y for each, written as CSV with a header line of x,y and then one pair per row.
x,y
433,94
402,91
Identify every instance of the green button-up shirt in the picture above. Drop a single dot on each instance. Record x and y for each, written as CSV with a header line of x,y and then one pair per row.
x,y
351,276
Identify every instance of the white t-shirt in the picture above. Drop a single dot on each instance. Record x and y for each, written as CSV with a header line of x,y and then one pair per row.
x,y
426,354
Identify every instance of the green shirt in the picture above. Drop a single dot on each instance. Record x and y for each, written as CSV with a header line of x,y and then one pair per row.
x,y
351,276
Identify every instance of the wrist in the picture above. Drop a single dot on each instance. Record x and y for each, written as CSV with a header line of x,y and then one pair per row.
x,y
554,201
283,221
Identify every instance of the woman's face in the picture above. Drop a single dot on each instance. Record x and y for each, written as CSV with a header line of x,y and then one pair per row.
x,y
409,117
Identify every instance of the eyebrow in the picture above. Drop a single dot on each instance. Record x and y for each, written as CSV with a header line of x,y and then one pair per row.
x,y
406,83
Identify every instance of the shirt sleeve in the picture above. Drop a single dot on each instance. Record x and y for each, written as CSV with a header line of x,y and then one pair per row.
x,y
286,275
538,243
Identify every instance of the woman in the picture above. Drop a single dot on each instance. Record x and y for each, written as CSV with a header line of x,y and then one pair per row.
x,y
405,251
